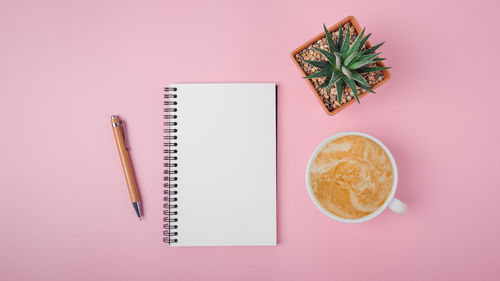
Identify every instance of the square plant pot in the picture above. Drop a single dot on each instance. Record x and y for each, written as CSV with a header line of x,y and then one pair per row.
x,y
325,98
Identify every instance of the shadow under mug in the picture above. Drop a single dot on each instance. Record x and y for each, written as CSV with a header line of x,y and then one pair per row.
x,y
391,202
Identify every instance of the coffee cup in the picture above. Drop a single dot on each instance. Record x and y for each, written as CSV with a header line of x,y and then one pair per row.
x,y
353,181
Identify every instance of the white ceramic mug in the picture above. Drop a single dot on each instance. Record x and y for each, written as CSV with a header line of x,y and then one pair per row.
x,y
391,202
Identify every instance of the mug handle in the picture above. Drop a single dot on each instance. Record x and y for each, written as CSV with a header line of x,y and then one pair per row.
x,y
397,206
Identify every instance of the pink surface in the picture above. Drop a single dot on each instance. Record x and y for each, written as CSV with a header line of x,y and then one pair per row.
x,y
67,66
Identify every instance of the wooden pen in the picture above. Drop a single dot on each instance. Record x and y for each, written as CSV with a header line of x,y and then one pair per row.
x,y
119,134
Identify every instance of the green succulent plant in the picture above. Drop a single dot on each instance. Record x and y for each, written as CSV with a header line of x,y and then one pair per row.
x,y
345,63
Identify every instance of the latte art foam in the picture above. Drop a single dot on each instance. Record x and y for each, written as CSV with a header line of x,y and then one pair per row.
x,y
351,177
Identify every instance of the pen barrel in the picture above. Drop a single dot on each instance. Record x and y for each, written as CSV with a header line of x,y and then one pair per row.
x,y
126,163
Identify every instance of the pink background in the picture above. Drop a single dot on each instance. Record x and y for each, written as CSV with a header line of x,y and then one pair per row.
x,y
67,66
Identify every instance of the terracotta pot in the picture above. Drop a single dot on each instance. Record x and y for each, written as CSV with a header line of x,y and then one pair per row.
x,y
354,23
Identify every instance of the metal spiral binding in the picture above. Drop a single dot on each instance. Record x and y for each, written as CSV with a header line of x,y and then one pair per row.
x,y
170,165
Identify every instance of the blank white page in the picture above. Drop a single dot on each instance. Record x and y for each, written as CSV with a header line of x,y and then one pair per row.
x,y
226,164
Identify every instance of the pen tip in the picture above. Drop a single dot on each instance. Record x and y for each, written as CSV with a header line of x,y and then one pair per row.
x,y
140,218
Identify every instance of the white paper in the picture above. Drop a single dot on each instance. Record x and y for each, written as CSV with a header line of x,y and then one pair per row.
x,y
226,164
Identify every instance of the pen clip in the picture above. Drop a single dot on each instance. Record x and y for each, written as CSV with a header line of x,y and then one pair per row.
x,y
122,124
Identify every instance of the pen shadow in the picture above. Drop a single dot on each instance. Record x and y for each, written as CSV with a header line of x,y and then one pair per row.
x,y
137,180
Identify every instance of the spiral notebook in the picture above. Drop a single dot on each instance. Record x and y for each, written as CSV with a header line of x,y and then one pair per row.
x,y
220,164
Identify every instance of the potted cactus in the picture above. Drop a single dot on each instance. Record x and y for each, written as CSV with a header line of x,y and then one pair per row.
x,y
340,65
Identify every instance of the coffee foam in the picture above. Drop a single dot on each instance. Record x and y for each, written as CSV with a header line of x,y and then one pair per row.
x,y
351,176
